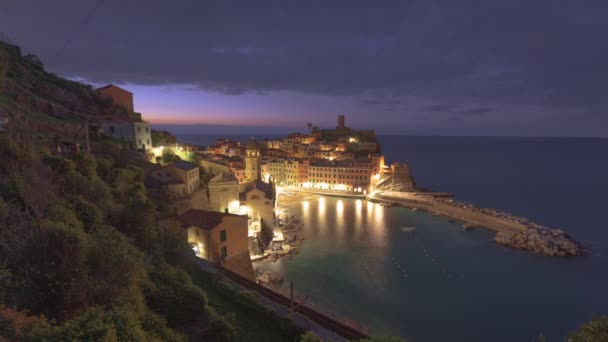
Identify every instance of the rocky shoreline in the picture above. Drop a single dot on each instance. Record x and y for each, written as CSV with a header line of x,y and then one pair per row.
x,y
534,237
542,240
283,245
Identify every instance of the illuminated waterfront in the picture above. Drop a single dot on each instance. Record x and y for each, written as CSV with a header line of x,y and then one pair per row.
x,y
358,265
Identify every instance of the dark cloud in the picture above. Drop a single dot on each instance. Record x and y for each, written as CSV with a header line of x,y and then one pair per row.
x,y
451,54
441,107
477,111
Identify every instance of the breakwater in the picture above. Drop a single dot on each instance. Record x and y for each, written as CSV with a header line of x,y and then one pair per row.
x,y
512,231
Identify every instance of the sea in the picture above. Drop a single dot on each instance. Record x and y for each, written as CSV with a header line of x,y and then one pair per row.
x,y
441,282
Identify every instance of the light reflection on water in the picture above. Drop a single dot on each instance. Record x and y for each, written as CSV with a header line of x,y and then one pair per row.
x,y
437,283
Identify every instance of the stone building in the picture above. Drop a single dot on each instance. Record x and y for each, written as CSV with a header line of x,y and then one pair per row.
x,y
179,179
259,200
396,178
137,133
224,192
118,95
253,166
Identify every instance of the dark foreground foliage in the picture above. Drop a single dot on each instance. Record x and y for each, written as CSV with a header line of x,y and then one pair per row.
x,y
83,258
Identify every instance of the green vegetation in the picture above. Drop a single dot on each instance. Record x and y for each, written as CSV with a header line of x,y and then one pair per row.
x,y
595,330
162,138
82,258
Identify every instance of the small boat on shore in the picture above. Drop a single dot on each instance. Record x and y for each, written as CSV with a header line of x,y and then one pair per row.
x,y
408,229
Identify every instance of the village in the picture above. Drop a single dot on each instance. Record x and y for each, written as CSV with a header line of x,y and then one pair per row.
x,y
224,196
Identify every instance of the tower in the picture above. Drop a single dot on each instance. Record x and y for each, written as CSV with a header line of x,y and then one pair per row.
x,y
340,122
252,161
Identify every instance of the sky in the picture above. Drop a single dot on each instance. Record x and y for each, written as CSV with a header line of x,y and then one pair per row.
x,y
420,67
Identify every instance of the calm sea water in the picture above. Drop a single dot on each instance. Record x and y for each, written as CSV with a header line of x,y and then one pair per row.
x,y
441,283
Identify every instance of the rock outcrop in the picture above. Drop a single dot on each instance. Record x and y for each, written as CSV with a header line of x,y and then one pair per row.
x,y
553,242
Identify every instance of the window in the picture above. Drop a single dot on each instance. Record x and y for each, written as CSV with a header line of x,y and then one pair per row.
x,y
147,130
138,129
223,235
224,252
148,140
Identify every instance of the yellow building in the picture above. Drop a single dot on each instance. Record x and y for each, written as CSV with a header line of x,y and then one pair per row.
x,y
287,172
220,238
344,175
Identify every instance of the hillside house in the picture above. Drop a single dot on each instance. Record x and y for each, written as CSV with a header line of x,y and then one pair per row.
x,y
179,179
220,238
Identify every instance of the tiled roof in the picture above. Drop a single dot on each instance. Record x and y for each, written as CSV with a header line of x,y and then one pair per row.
x,y
223,177
184,165
203,219
266,188
114,86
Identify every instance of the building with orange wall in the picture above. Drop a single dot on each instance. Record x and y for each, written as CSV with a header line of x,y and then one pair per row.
x,y
220,238
118,95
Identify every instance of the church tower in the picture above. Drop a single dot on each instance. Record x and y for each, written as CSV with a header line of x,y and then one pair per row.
x,y
253,168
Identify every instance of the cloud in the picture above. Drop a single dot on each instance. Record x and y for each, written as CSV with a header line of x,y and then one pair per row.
x,y
476,111
450,53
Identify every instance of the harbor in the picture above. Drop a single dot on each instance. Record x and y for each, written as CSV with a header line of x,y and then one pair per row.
x,y
356,255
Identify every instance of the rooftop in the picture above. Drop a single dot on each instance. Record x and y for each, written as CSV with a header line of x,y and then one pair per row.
x,y
223,177
203,219
266,188
184,165
113,86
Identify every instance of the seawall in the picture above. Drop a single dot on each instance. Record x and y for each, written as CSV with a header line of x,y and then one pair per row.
x,y
512,231
469,216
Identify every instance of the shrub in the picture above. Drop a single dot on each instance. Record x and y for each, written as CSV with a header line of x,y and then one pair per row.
x,y
88,213
59,164
116,269
85,164
174,296
309,337
595,330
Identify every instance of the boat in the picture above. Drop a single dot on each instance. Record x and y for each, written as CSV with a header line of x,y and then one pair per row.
x,y
468,226
408,229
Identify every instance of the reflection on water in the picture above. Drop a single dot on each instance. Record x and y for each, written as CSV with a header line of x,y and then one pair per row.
x,y
357,264
358,216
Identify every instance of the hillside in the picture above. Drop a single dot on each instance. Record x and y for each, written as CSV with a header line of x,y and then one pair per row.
x,y
81,254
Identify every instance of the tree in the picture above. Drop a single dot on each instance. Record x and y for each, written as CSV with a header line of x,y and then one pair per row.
x,y
162,138
174,296
168,156
595,330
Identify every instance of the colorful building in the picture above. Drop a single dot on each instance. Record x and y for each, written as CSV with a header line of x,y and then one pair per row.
x,y
220,238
